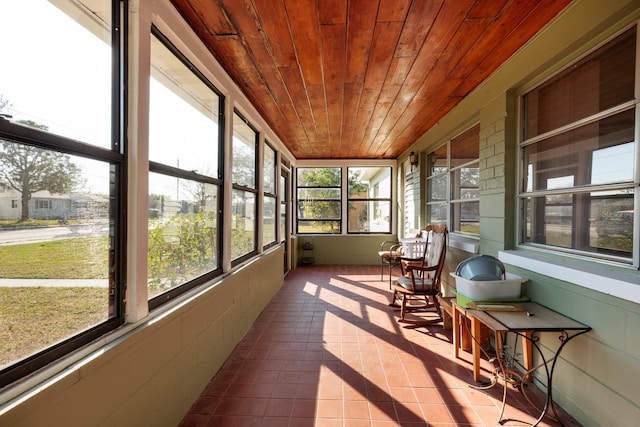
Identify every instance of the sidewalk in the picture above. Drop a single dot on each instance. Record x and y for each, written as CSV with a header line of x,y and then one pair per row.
x,y
63,283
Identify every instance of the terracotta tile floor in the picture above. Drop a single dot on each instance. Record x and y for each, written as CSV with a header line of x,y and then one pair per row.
x,y
328,351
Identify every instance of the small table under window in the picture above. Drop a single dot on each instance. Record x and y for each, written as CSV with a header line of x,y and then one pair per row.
x,y
526,321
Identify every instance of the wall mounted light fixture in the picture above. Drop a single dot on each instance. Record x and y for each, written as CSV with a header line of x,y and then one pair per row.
x,y
414,159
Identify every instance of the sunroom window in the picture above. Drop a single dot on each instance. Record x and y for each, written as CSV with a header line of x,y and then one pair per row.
x,y
245,190
184,179
579,154
369,200
319,200
283,192
269,201
61,167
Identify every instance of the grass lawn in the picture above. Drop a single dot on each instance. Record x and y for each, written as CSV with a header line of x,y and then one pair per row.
x,y
80,258
34,318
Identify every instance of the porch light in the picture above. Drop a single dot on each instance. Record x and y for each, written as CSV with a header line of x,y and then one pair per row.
x,y
414,160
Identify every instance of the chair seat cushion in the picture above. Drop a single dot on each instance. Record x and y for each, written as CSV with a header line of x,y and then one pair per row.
x,y
389,254
422,285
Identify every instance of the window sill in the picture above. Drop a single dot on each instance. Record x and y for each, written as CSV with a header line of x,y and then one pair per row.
x,y
611,280
464,244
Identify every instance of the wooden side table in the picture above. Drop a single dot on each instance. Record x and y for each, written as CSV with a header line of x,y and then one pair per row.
x,y
468,335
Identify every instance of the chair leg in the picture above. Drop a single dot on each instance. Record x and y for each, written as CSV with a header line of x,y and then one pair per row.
x,y
403,309
436,304
394,298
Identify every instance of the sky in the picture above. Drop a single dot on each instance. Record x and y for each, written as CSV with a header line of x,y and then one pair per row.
x,y
56,73
46,81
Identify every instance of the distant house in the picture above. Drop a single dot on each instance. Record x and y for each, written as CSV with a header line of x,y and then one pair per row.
x,y
44,205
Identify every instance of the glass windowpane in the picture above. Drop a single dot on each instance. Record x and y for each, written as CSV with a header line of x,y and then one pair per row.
x,y
268,220
369,182
319,198
465,148
466,183
65,226
601,81
183,115
466,217
269,170
243,223
437,188
319,177
284,196
600,222
436,213
244,153
183,134
319,209
308,194
369,216
56,69
437,160
183,231
598,153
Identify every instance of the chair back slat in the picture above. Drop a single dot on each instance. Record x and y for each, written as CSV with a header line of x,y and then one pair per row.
x,y
414,248
442,254
437,252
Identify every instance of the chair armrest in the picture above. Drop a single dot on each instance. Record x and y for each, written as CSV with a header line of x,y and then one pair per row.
x,y
393,244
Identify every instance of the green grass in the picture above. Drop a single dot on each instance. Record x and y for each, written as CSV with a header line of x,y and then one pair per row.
x,y
32,319
80,258
12,223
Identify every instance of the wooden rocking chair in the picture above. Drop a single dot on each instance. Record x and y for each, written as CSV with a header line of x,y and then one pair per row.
x,y
422,280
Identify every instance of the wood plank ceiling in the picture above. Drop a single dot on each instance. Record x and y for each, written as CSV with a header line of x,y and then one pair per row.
x,y
341,79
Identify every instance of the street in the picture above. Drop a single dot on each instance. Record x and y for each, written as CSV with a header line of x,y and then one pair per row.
x,y
45,234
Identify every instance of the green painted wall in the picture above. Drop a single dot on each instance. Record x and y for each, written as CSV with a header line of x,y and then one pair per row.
x,y
341,249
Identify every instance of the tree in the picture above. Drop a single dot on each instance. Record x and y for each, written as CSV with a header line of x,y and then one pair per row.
x,y
29,169
4,103
319,192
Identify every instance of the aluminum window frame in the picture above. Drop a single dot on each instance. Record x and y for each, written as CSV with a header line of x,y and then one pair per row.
x,y
580,190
